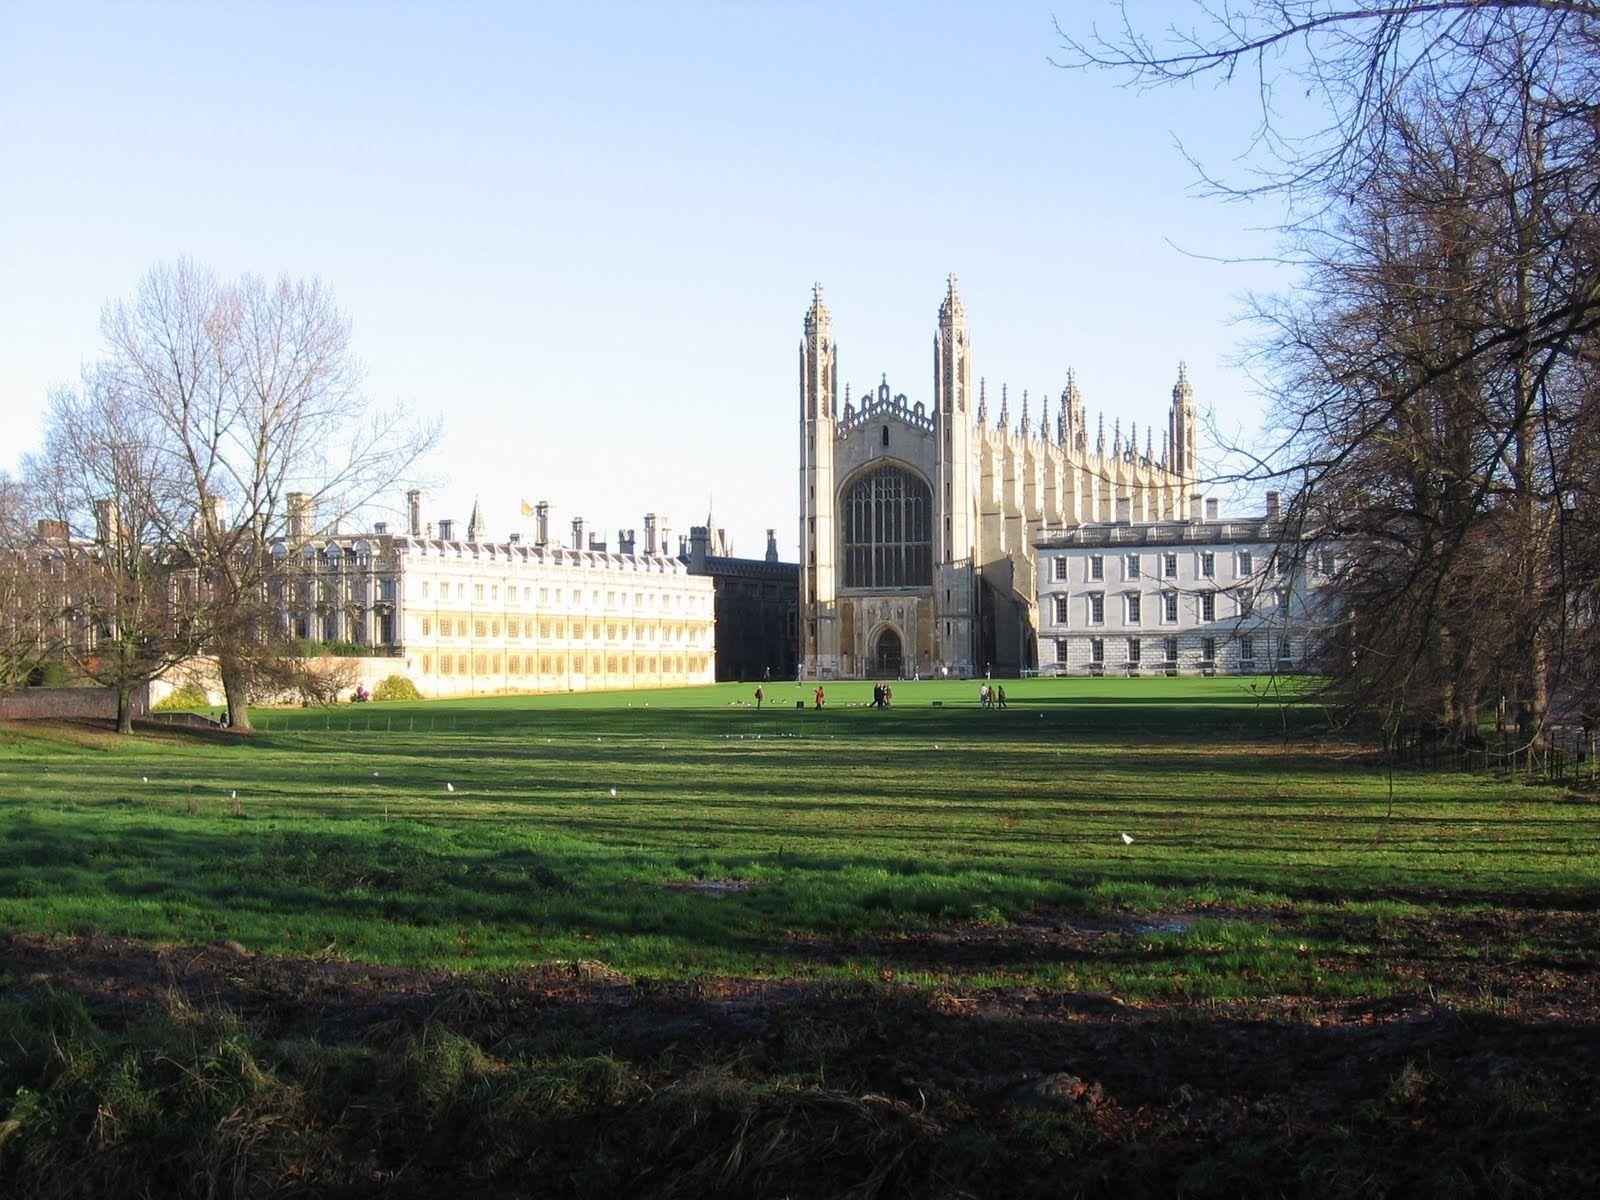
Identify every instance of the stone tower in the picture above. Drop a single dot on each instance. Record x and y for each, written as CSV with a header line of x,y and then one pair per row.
x,y
955,539
819,379
1185,458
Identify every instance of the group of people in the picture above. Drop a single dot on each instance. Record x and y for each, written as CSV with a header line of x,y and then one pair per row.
x,y
882,696
991,697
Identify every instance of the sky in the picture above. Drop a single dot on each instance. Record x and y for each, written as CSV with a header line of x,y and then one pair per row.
x,y
585,235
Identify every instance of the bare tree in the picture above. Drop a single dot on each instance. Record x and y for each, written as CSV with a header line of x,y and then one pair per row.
x,y
253,394
132,609
31,600
1430,377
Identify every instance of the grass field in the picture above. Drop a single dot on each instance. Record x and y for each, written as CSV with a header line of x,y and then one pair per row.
x,y
936,862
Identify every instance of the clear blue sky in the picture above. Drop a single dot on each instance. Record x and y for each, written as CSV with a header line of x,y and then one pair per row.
x,y
587,234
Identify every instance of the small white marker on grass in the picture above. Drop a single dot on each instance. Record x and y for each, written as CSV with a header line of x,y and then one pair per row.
x,y
449,787
613,791
1127,839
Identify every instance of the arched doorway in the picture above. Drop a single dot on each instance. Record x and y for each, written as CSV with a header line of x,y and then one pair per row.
x,y
887,656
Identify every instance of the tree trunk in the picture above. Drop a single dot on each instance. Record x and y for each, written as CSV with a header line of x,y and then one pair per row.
x,y
124,709
235,685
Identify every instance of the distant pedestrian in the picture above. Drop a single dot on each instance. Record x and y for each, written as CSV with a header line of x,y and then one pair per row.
x,y
818,696
983,696
888,696
1000,696
760,695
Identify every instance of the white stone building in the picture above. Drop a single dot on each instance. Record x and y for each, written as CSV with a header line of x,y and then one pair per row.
x,y
918,520
1180,597
478,615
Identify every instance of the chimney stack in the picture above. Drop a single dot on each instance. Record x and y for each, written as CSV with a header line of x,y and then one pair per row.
x,y
1274,505
541,523
597,543
772,545
699,535
447,528
1124,510
577,533
298,524
651,546
1195,506
625,541
414,512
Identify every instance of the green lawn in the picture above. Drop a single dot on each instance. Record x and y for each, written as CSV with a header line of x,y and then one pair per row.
x,y
514,830
676,947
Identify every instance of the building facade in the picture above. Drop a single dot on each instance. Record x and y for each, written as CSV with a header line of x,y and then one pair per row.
x,y
757,606
1181,597
918,520
479,615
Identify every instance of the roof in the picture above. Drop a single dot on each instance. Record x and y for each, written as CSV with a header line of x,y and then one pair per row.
x,y
1168,533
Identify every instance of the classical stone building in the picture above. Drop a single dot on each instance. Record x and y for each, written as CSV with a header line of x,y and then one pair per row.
x,y
1236,595
476,614
918,519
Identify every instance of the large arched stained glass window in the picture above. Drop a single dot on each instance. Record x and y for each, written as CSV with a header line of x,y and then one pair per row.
x,y
887,535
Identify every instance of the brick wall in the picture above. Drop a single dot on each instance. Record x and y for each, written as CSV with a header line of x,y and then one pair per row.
x,y
64,704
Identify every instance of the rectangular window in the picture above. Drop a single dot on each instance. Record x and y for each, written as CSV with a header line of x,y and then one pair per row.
x,y
424,589
1208,606
1135,608
1097,609
1246,604
1285,650
1247,649
1169,607
1061,650
1097,567
1061,605
1208,565
1280,564
1283,598
1130,566
1246,564
1208,649
1325,561
1097,650
1134,650
1058,569
1169,648
1169,566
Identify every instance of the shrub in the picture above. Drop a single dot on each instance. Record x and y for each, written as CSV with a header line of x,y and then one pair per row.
x,y
183,699
396,687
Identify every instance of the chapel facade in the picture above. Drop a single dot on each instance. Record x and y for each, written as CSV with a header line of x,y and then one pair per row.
x,y
918,520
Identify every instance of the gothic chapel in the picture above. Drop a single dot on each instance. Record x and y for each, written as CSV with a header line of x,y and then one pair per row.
x,y
917,526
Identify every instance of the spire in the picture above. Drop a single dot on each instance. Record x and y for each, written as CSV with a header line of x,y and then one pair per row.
x,y
1116,437
983,402
475,523
1003,424
1133,441
952,310
1022,425
1182,389
1100,439
1044,419
817,318
1149,455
